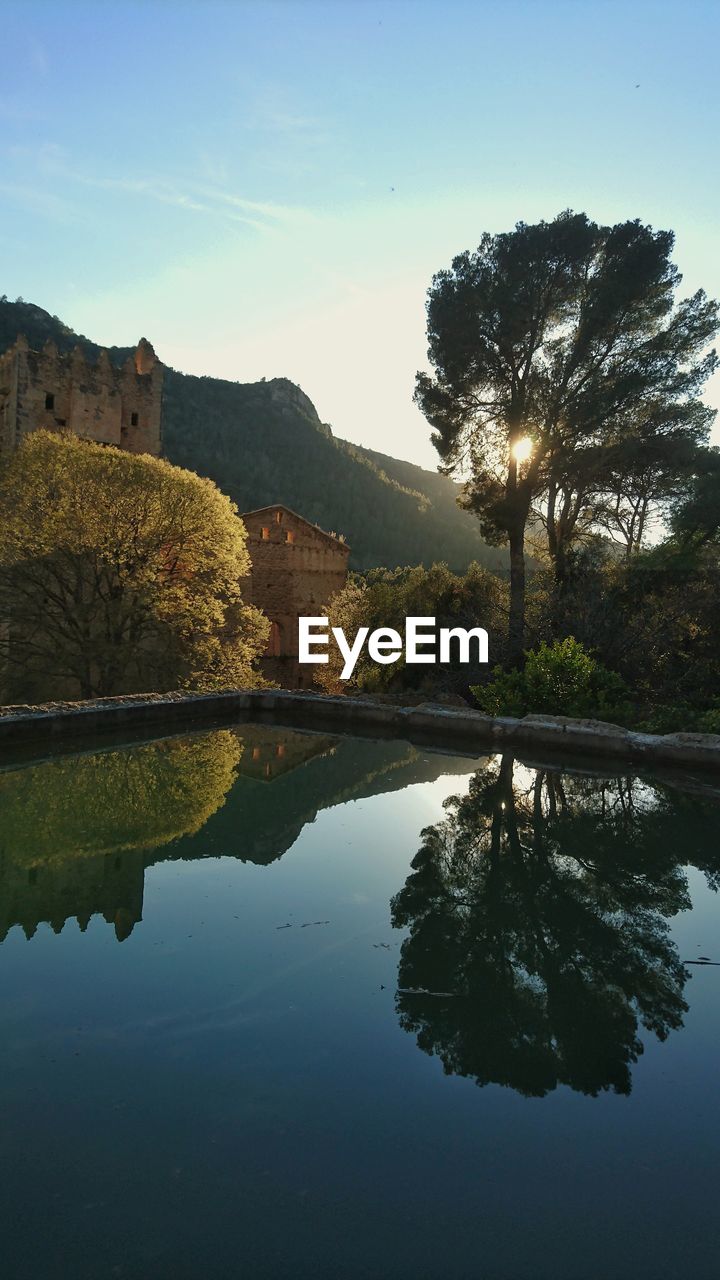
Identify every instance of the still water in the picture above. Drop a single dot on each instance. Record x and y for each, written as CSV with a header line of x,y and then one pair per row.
x,y
285,1005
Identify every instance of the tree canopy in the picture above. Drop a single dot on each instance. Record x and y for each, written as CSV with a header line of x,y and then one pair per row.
x,y
386,597
696,514
562,365
119,573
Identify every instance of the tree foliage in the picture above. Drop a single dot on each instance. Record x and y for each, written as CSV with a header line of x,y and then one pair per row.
x,y
120,573
565,334
538,943
263,442
385,598
558,679
695,520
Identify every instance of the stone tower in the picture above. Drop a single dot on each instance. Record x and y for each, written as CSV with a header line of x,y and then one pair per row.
x,y
94,400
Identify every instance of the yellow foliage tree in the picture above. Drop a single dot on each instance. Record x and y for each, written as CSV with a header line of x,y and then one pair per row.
x,y
119,573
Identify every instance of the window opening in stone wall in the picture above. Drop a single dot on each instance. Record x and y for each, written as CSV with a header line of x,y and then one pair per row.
x,y
289,536
265,533
134,419
278,517
49,400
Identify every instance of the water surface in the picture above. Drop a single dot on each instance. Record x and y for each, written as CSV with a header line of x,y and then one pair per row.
x,y
283,1004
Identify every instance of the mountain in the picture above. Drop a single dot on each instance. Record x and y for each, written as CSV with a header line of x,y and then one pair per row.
x,y
263,442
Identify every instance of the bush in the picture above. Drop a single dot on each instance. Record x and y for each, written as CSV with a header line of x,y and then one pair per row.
x,y
558,679
670,717
120,574
680,717
710,721
387,598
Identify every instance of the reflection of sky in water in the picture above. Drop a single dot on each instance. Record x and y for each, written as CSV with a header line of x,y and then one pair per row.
x,y
224,1095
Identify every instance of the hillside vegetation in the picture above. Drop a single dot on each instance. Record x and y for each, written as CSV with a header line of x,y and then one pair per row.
x,y
263,442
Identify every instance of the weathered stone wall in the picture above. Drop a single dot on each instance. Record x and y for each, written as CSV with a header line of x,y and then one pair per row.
x,y
296,568
44,389
568,742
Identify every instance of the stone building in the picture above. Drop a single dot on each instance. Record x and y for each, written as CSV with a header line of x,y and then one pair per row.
x,y
110,885
270,753
93,399
296,568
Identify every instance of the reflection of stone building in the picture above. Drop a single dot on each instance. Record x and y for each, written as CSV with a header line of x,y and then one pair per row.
x,y
269,754
118,406
91,855
78,850
77,832
296,568
109,885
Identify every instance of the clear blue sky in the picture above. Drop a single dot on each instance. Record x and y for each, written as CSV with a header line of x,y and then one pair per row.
x,y
266,189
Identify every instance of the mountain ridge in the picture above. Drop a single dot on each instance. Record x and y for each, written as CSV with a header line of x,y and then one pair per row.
x,y
264,442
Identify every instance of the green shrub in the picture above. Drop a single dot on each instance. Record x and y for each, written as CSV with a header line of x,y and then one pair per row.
x,y
709,722
559,679
506,695
671,717
679,717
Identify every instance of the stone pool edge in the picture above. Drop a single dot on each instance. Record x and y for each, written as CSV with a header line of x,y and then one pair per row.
x,y
439,725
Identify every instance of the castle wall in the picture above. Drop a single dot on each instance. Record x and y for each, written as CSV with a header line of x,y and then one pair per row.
x,y
44,389
296,568
9,375
109,885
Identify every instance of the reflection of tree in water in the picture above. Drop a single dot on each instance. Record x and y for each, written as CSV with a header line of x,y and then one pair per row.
x,y
132,798
538,918
75,832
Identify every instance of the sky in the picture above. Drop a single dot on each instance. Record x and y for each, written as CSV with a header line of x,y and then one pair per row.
x,y
266,189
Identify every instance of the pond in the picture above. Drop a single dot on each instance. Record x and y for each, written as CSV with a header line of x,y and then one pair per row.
x,y
284,1004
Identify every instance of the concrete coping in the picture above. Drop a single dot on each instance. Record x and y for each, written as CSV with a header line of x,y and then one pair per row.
x,y
435,724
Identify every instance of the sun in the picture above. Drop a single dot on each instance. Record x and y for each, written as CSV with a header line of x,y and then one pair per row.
x,y
522,449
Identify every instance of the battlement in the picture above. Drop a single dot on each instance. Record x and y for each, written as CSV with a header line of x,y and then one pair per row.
x,y
70,392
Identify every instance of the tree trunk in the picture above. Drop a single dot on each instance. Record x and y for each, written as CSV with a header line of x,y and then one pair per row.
x,y
560,568
86,687
551,526
516,630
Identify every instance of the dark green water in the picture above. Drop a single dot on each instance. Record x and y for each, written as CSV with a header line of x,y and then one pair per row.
x,y
269,1009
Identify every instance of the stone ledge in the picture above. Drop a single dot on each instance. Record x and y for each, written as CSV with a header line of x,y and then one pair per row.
x,y
437,724
66,719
